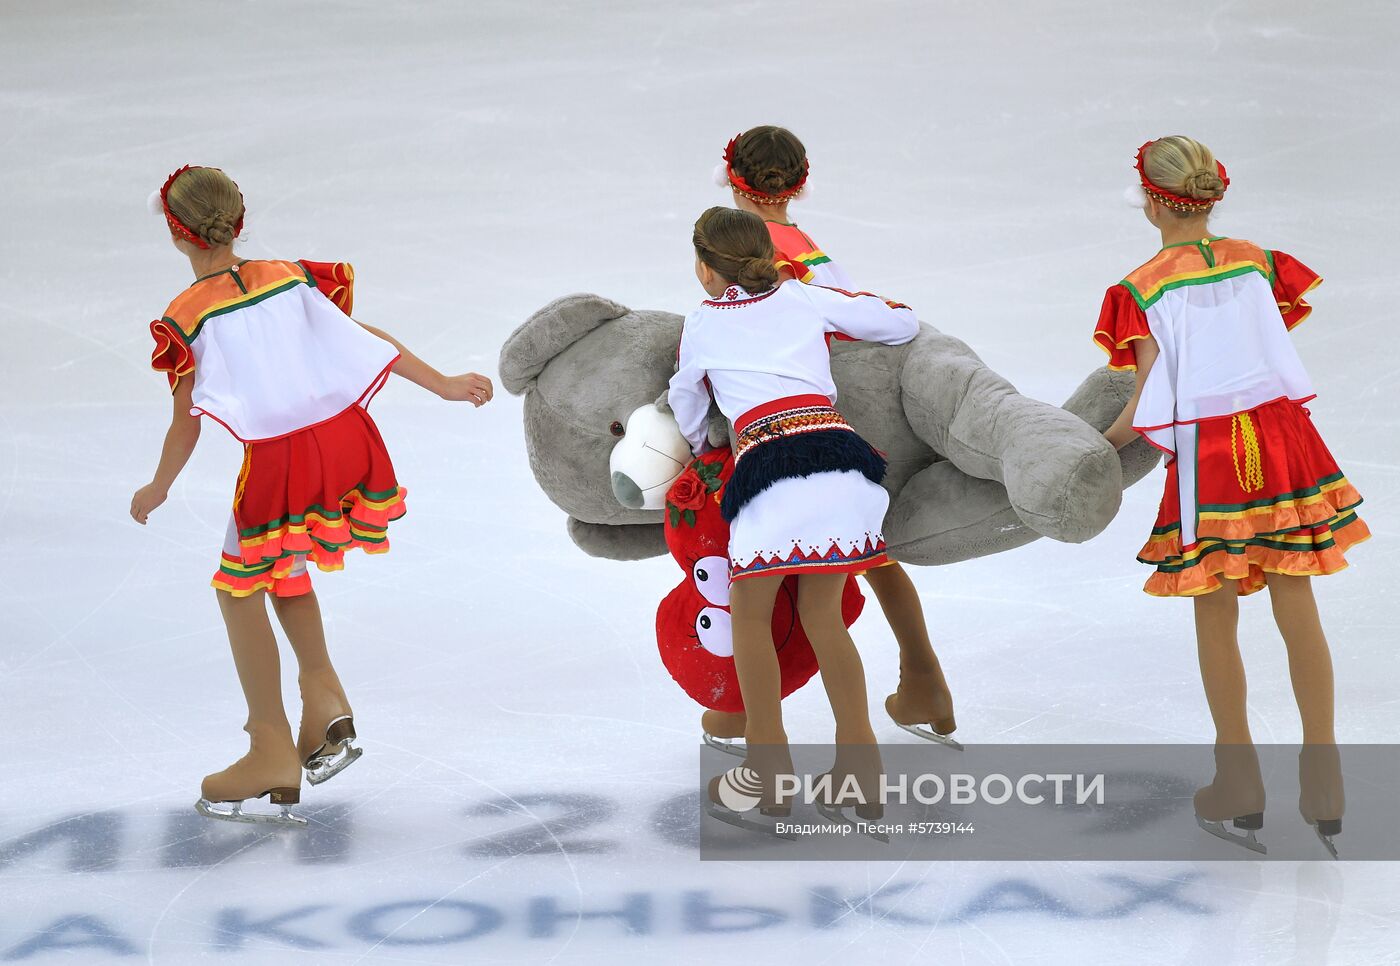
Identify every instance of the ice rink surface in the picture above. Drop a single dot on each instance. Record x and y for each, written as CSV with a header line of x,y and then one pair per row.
x,y
527,790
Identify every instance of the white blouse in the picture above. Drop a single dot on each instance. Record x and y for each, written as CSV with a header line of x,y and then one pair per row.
x,y
752,349
275,365
1223,350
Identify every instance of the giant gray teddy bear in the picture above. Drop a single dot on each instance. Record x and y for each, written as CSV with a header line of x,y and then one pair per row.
x,y
975,468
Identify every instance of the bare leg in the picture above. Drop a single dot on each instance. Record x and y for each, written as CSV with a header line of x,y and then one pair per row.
x,y
923,696
760,685
1222,670
1321,796
843,675
322,697
300,618
1309,660
1238,788
255,657
857,754
755,659
271,762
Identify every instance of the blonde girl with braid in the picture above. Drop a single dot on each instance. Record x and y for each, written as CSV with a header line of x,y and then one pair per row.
x,y
267,349
1253,498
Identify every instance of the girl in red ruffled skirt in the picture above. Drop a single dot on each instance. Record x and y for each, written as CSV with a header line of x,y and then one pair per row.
x,y
1253,497
268,350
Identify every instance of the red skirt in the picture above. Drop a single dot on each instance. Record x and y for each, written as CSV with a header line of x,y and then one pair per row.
x,y
1270,499
309,496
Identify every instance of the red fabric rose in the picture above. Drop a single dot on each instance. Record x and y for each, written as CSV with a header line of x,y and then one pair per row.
x,y
688,492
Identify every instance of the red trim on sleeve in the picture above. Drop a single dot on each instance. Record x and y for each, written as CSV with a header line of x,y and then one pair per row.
x,y
334,280
1121,323
855,295
1292,281
171,355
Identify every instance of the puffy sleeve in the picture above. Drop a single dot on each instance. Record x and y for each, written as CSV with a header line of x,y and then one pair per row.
x,y
1292,281
172,355
1121,323
689,396
334,280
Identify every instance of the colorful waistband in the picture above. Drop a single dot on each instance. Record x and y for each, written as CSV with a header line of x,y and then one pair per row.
x,y
786,417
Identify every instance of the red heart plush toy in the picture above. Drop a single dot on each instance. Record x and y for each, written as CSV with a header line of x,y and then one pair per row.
x,y
692,623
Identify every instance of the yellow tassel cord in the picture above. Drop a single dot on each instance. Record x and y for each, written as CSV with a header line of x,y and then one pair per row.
x,y
243,474
1251,475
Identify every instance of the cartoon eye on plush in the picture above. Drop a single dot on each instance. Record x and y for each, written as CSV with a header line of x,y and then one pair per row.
x,y
714,631
711,576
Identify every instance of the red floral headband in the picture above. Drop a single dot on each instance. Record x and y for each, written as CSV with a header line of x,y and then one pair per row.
x,y
737,181
177,227
1171,199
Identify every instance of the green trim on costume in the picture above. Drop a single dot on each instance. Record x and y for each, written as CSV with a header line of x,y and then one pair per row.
x,y
1196,241
1176,563
249,570
1350,508
242,304
1313,490
222,271
1145,304
328,514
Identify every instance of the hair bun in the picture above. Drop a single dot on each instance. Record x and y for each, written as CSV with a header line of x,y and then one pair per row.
x,y
217,228
757,274
771,180
1204,185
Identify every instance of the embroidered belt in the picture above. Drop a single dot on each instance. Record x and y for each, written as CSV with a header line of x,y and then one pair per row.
x,y
786,417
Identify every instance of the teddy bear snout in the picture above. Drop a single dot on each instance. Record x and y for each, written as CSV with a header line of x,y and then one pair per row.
x,y
647,459
628,493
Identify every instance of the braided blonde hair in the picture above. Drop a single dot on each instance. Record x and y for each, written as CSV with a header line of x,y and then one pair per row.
x,y
1186,167
208,203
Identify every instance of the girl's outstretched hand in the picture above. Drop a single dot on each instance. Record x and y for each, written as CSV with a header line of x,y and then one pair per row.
x,y
145,500
470,387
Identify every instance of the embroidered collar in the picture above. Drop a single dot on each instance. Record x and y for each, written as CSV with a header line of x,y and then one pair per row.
x,y
735,296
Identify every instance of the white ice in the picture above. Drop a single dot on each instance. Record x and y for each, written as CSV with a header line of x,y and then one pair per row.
x,y
476,160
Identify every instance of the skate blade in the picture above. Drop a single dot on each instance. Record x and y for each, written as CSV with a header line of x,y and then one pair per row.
x,y
836,815
928,734
1325,839
235,813
730,746
324,768
1247,840
747,824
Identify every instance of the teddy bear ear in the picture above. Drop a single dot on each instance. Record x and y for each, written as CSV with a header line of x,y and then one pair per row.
x,y
549,332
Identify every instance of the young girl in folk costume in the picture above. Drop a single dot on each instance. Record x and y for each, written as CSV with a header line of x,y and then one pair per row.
x,y
766,168
805,496
1253,497
267,350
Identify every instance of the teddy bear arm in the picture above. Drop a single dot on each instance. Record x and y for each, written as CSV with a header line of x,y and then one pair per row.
x,y
618,541
1062,476
1098,401
944,516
